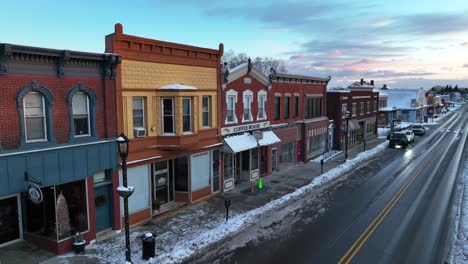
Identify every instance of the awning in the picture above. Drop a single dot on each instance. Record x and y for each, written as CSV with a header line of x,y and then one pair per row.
x,y
353,125
239,143
269,137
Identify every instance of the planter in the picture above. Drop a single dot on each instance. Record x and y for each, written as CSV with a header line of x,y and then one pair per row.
x,y
79,247
125,192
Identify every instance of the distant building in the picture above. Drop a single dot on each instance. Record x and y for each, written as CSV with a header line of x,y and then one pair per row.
x,y
411,104
361,101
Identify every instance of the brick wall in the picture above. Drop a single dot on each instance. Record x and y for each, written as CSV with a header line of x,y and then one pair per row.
x,y
10,127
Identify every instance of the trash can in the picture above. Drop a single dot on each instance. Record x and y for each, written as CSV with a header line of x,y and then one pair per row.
x,y
149,245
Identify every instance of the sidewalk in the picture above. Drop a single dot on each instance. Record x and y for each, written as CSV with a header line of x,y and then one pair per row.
x,y
184,232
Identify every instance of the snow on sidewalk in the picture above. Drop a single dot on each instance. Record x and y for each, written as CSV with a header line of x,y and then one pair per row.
x,y
186,235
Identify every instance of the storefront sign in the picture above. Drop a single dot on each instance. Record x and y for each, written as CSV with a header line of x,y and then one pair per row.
x,y
243,128
258,134
35,193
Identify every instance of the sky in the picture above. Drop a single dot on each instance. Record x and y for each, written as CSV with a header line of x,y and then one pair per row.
x,y
401,43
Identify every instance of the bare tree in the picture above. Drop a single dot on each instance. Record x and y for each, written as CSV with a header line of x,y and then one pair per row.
x,y
263,64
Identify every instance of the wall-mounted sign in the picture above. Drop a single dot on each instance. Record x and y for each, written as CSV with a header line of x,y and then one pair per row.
x,y
243,128
35,193
258,134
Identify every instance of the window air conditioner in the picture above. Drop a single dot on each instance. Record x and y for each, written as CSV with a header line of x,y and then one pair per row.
x,y
139,132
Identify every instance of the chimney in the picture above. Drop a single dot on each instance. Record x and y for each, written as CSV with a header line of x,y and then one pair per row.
x,y
372,82
362,81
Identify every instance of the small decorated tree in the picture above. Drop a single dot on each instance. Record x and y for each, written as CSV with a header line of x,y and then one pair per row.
x,y
63,217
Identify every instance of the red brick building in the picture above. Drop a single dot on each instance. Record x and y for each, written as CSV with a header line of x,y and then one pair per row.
x,y
57,151
361,101
298,114
245,125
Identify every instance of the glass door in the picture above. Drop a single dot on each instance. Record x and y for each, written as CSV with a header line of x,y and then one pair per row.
x,y
274,159
161,184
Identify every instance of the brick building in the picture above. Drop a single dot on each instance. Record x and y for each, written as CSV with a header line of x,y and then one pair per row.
x,y
57,153
361,101
298,115
167,104
245,125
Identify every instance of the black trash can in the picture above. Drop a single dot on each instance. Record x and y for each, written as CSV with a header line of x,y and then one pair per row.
x,y
149,245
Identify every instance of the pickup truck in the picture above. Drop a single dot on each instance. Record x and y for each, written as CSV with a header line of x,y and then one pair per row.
x,y
398,140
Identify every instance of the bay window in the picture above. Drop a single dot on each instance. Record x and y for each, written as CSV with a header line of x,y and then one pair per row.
x,y
187,114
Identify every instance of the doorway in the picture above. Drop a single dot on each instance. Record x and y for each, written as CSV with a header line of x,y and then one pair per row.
x,y
163,192
10,219
103,201
274,159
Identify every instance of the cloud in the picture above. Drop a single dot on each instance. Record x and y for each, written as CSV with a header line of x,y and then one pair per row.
x,y
335,52
465,44
465,66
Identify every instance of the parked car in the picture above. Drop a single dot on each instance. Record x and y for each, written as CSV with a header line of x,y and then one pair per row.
x,y
398,140
419,129
409,136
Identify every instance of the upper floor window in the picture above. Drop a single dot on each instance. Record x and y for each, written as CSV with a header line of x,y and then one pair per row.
x,y
287,105
261,105
277,107
354,109
34,117
231,99
344,108
247,100
313,107
138,104
206,109
81,120
375,106
296,106
168,115
368,107
187,114
361,108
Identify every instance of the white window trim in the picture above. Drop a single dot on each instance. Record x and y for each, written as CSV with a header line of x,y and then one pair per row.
x,y
143,108
89,121
368,107
361,108
44,123
247,94
232,93
162,113
354,109
344,108
209,111
190,131
260,94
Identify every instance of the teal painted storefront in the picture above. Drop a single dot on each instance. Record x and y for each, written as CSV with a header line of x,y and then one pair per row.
x,y
56,165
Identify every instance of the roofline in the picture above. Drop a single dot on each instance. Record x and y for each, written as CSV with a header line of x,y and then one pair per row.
x,y
302,77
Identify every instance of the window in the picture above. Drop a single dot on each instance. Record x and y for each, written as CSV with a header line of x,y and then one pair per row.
x,y
247,107
34,117
361,108
344,108
261,105
187,114
287,152
80,107
138,104
313,107
354,109
368,107
296,106
231,98
287,104
206,111
375,106
277,107
168,115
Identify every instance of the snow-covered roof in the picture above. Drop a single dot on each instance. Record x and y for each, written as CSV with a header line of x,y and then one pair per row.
x,y
177,86
239,143
361,85
237,67
386,109
338,90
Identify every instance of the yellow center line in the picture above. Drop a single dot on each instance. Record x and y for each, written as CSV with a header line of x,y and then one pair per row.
x,y
381,216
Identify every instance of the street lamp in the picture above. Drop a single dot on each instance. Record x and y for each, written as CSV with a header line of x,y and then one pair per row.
x,y
125,192
347,115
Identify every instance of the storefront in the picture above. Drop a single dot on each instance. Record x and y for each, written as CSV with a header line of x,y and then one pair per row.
x,y
286,153
245,151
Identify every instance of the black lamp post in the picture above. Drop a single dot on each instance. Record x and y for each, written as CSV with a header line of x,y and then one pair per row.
x,y
346,135
122,143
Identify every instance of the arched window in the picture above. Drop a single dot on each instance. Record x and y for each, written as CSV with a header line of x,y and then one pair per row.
x,y
34,103
82,111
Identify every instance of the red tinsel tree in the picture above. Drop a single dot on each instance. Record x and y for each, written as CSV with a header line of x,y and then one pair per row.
x,y
63,217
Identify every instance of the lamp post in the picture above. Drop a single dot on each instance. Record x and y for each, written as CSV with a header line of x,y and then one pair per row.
x,y
346,135
122,143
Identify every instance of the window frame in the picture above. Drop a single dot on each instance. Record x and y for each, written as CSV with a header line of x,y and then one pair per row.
x,y
208,111
296,106
277,107
247,98
44,119
142,109
190,115
88,114
287,106
231,94
361,108
262,105
354,109
91,95
163,116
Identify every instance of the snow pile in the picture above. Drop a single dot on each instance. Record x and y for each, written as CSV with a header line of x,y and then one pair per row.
x,y
382,132
125,189
459,251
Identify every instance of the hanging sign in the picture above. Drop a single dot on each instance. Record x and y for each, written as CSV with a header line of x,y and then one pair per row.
x,y
35,193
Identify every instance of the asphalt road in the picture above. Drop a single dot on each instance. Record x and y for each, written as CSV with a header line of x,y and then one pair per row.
x,y
393,208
